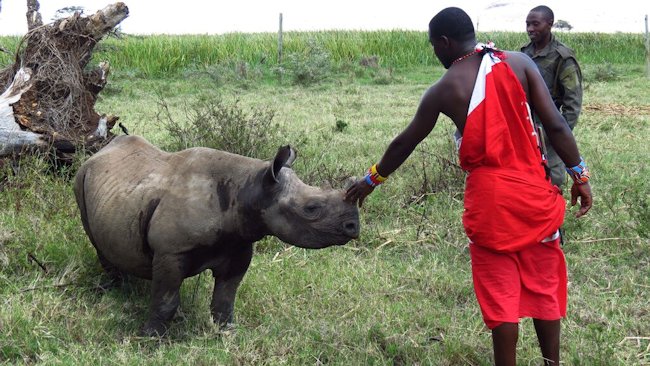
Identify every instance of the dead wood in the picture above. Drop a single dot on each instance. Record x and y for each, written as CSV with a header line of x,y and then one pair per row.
x,y
53,107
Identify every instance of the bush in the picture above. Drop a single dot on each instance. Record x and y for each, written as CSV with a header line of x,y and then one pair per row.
x,y
215,123
605,72
310,67
383,76
240,73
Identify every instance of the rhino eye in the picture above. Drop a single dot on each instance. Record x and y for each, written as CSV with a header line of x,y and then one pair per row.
x,y
312,209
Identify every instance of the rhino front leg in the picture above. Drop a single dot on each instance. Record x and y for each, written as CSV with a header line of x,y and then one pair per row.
x,y
223,300
226,284
166,279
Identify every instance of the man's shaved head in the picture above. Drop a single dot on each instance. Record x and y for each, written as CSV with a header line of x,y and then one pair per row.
x,y
453,23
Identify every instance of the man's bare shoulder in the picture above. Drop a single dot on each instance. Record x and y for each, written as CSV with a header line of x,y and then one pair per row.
x,y
442,92
435,89
451,80
450,95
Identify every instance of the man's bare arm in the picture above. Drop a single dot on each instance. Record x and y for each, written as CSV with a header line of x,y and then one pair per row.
x,y
421,125
403,145
559,134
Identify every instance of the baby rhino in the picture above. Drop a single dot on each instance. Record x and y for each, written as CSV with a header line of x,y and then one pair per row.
x,y
168,216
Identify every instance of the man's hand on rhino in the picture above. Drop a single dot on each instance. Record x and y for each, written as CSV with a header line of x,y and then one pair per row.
x,y
358,192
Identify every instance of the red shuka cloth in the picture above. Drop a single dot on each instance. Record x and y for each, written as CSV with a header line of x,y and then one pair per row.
x,y
529,283
509,202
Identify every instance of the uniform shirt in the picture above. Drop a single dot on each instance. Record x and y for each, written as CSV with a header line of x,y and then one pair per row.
x,y
562,75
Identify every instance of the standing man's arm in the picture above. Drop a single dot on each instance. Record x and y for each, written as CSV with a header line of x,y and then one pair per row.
x,y
421,125
559,134
570,79
402,145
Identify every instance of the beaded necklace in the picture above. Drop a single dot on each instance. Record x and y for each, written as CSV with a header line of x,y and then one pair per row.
x,y
461,58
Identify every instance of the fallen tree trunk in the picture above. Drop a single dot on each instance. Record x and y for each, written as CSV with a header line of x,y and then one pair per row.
x,y
13,139
50,93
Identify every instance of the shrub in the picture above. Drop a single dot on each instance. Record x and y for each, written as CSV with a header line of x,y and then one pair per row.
x,y
240,73
383,76
605,72
310,67
436,171
340,125
218,124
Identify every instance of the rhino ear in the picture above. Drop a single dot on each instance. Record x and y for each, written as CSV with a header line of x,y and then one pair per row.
x,y
285,157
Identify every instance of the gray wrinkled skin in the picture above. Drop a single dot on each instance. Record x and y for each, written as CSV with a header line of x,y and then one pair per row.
x,y
167,216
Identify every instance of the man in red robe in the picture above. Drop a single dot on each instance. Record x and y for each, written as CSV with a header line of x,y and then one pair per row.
x,y
512,211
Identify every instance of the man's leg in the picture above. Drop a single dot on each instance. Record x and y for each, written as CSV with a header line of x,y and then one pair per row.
x,y
504,342
548,334
498,288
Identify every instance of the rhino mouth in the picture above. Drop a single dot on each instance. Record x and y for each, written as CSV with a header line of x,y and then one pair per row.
x,y
325,240
343,240
322,233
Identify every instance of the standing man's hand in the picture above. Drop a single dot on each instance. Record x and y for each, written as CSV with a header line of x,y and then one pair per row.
x,y
358,192
584,192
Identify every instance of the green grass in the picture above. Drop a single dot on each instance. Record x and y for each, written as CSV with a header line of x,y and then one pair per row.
x,y
168,55
399,295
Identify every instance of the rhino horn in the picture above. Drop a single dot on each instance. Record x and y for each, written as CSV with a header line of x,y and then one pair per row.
x,y
284,158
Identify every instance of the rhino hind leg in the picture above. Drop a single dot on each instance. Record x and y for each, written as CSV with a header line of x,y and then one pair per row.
x,y
115,276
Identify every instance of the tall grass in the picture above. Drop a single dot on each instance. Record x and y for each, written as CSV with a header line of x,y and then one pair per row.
x,y
160,55
165,55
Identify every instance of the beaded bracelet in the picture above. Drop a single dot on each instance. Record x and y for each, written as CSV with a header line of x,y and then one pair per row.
x,y
373,178
579,173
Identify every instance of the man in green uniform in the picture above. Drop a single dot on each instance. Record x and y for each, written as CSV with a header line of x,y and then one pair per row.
x,y
559,68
